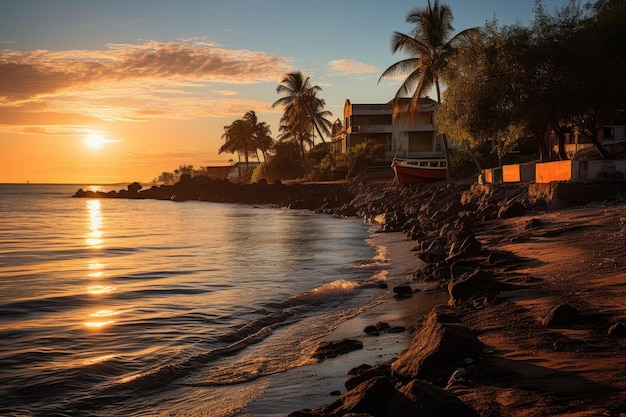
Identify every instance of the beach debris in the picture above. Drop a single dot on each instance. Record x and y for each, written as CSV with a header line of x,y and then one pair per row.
x,y
561,316
617,330
457,376
331,349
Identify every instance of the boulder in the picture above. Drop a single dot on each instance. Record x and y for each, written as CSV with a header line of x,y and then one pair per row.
x,y
421,399
561,316
376,371
367,399
436,349
472,285
435,252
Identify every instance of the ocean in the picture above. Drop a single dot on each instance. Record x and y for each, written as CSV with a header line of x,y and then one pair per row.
x,y
120,307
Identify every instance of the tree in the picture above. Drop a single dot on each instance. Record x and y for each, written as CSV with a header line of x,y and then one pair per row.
x,y
238,139
481,89
260,134
430,46
303,112
245,136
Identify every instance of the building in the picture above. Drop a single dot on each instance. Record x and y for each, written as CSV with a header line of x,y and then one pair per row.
x,y
404,134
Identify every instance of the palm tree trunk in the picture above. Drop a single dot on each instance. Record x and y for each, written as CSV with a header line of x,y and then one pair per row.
x,y
328,150
444,139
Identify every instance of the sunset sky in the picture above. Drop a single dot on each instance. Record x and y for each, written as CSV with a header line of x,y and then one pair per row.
x,y
120,91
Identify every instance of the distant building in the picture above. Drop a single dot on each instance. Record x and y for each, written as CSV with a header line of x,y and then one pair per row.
x,y
239,169
404,134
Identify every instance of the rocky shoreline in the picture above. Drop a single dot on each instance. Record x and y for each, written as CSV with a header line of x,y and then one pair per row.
x,y
463,232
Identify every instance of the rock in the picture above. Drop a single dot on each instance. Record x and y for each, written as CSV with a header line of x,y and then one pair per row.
x,y
334,348
437,347
617,330
560,316
471,285
434,253
512,209
533,224
358,369
370,397
403,291
420,399
376,371
134,187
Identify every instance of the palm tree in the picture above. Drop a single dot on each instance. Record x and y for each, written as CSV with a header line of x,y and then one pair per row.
x,y
238,139
261,134
429,46
303,112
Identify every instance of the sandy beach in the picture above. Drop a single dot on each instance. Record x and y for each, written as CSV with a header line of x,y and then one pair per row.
x,y
573,256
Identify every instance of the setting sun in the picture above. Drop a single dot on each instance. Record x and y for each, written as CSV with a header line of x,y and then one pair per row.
x,y
95,140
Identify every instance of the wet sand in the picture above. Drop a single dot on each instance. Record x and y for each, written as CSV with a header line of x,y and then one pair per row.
x,y
311,386
575,256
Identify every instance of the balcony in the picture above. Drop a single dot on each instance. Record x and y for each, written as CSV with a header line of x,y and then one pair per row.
x,y
370,129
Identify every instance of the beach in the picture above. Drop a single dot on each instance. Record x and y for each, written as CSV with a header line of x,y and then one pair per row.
x,y
572,256
518,301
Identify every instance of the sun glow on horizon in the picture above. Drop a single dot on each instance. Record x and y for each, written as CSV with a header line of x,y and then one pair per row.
x,y
95,140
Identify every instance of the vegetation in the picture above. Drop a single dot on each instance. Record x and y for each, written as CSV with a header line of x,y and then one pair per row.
x,y
430,45
303,114
563,74
246,137
170,178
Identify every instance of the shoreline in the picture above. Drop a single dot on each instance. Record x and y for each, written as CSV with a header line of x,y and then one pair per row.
x,y
535,275
311,386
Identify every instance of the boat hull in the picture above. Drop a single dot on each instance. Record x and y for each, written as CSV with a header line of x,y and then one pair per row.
x,y
411,173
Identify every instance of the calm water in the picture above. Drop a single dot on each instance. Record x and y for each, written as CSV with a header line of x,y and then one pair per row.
x,y
142,307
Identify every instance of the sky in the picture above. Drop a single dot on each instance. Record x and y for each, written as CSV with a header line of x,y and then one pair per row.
x,y
121,90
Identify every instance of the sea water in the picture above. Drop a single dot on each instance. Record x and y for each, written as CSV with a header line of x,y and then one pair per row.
x,y
118,307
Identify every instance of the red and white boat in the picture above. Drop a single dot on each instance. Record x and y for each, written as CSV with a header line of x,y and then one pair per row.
x,y
419,171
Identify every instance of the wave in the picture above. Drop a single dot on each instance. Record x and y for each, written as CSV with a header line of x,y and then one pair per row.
x,y
327,292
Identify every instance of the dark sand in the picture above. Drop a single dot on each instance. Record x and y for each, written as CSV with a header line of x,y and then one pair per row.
x,y
577,256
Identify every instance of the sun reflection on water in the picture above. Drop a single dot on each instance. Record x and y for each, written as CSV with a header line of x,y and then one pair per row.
x,y
100,289
98,324
98,359
94,237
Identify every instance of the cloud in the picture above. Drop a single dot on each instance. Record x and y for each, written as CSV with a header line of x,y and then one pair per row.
x,y
350,67
27,74
226,92
131,82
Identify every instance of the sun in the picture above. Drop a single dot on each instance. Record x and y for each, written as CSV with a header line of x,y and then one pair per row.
x,y
95,140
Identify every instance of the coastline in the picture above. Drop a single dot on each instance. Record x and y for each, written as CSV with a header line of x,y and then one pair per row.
x,y
508,257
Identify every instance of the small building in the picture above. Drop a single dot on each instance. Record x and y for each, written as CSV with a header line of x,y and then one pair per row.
x,y
405,134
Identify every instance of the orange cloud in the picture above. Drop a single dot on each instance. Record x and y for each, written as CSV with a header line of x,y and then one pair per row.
x,y
350,67
26,74
129,82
